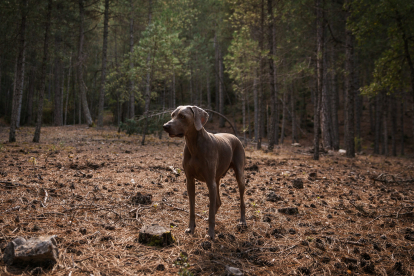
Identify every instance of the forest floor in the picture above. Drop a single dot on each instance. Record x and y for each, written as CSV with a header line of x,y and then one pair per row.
x,y
81,183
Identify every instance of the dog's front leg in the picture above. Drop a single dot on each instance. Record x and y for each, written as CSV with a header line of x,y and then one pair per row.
x,y
212,191
191,198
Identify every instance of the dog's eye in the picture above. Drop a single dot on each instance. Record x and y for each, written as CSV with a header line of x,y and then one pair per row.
x,y
182,116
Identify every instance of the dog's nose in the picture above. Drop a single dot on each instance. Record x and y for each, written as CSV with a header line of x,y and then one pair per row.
x,y
166,127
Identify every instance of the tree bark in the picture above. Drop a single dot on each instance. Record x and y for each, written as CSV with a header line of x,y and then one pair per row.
x,y
319,71
260,117
349,88
221,88
81,58
18,91
256,109
131,63
36,137
385,124
326,114
32,84
104,57
377,123
402,128
334,102
57,108
148,83
273,122
68,90
216,65
282,134
394,125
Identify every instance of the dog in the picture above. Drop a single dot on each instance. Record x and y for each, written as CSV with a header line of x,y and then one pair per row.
x,y
207,158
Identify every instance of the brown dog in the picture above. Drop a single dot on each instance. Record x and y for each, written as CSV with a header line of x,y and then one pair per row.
x,y
207,158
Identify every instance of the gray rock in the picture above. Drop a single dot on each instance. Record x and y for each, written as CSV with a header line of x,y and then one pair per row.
x,y
41,251
155,235
233,271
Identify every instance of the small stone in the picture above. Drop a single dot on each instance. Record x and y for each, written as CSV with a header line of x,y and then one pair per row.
x,y
273,197
288,210
329,216
298,183
144,199
233,271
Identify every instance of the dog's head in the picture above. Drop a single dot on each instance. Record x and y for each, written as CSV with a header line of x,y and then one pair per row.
x,y
184,119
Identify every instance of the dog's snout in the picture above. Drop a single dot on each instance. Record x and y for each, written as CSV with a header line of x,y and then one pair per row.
x,y
166,126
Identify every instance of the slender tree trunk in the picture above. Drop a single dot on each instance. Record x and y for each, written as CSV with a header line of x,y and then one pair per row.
x,y
377,124
349,88
173,89
273,122
385,122
282,134
32,84
402,128
131,63
104,57
394,125
216,67
334,103
81,58
293,108
57,100
19,112
208,86
319,71
36,137
260,119
256,109
18,91
326,114
148,83
68,89
358,113
221,89
244,114
248,115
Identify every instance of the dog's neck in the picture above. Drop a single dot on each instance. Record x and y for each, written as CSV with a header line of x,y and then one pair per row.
x,y
192,138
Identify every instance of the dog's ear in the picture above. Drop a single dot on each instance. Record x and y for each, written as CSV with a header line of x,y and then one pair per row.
x,y
200,117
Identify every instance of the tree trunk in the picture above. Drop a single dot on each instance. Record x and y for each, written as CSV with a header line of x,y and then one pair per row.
x,y
282,134
244,114
131,63
260,118
319,71
349,88
293,113
57,100
208,86
402,128
68,90
377,124
334,103
394,125
36,137
216,67
104,57
385,122
326,114
221,89
148,83
256,109
273,122
248,114
81,58
32,84
18,91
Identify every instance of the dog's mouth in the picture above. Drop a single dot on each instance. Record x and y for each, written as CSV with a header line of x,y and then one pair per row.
x,y
180,135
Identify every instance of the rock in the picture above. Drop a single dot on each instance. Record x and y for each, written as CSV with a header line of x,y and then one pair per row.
x,y
155,235
233,271
296,145
144,199
298,183
288,210
273,197
41,251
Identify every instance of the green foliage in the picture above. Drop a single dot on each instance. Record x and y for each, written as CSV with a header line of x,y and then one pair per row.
x,y
183,265
136,126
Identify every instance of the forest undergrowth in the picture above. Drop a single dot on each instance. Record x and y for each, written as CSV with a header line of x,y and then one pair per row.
x,y
352,216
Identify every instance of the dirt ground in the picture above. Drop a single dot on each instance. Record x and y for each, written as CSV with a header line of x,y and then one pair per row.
x,y
80,184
